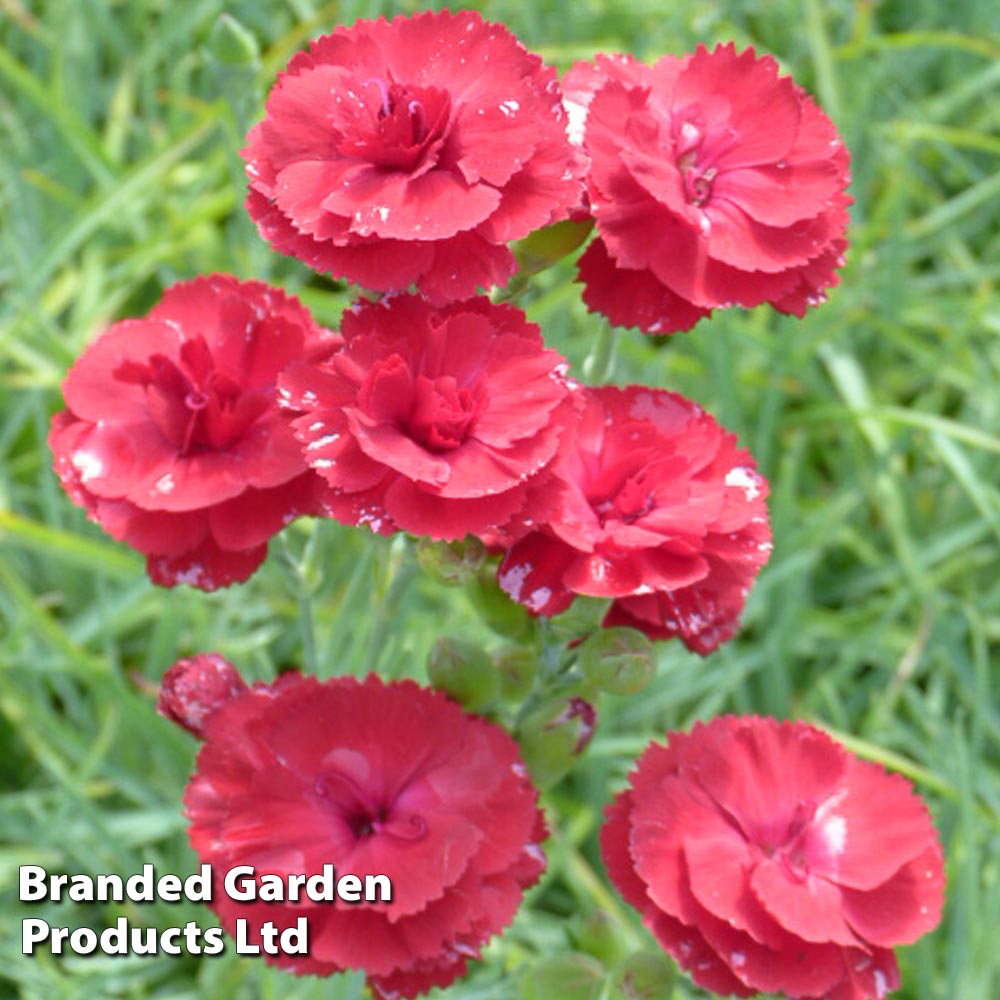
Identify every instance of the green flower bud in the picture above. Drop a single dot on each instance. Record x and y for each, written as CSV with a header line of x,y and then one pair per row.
x,y
553,735
599,934
230,43
503,615
618,660
547,246
567,977
516,667
451,562
580,619
464,672
644,975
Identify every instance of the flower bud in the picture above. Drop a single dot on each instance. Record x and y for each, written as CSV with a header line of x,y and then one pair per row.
x,y
569,977
599,934
193,689
580,619
644,975
516,667
464,672
451,562
502,614
553,734
618,660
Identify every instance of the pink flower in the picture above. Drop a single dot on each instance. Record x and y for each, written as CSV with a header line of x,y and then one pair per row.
x,y
657,508
372,777
433,421
172,439
713,181
412,151
765,857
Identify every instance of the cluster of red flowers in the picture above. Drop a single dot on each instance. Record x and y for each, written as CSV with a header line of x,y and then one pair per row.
x,y
199,432
762,855
406,156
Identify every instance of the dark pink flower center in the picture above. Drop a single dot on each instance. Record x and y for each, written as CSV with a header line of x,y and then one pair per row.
x,y
437,413
443,411
791,848
403,128
788,842
366,813
630,502
195,405
698,151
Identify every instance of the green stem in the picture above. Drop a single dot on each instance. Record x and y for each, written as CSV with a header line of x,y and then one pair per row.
x,y
601,360
308,629
582,876
299,569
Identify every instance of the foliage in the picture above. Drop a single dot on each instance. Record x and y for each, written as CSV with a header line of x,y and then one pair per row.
x,y
875,419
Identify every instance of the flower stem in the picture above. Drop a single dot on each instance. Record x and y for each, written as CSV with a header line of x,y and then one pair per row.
x,y
584,880
300,569
308,630
601,360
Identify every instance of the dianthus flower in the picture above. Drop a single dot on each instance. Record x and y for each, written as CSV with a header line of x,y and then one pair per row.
x,y
372,777
714,181
172,439
433,421
412,151
765,857
656,507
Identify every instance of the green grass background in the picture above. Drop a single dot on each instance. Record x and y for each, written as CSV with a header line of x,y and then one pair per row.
x,y
877,420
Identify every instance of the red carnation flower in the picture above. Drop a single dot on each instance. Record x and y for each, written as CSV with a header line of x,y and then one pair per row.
x,y
173,441
433,421
412,151
713,181
373,778
659,509
765,857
